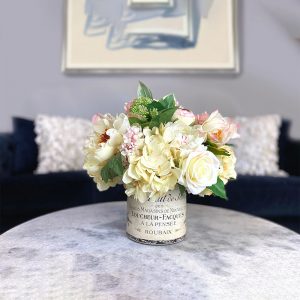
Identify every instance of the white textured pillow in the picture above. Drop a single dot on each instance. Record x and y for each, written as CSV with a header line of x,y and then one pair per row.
x,y
61,142
257,149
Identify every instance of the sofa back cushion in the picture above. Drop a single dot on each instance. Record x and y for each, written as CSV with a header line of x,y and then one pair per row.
x,y
6,154
25,148
257,150
61,143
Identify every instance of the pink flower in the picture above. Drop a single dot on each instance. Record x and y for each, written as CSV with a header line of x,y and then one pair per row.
x,y
184,115
218,129
200,119
132,140
96,118
127,106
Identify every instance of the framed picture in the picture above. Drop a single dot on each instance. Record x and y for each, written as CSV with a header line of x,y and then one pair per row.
x,y
182,36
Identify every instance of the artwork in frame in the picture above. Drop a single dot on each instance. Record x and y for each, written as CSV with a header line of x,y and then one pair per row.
x,y
183,36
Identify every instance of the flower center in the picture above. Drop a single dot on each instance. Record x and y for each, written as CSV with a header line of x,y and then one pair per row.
x,y
104,137
218,135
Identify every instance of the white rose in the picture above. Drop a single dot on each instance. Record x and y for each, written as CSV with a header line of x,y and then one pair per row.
x,y
199,170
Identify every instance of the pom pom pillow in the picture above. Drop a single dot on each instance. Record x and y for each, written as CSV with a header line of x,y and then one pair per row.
x,y
257,149
61,142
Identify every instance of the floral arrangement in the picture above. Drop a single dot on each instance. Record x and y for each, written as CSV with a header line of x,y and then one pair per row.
x,y
157,146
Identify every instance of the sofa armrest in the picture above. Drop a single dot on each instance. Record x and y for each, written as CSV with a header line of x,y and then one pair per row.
x,y
293,157
6,154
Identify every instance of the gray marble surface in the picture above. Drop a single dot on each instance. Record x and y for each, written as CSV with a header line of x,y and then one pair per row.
x,y
83,253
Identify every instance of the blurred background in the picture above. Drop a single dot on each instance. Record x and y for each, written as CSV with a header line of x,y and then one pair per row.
x,y
31,81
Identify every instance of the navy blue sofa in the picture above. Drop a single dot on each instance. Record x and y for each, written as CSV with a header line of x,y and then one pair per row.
x,y
25,195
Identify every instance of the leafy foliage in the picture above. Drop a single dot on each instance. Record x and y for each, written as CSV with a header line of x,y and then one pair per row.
x,y
168,101
163,117
133,120
181,189
149,112
144,91
217,151
218,189
113,168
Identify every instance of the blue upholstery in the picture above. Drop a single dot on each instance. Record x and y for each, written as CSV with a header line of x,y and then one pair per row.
x,y
26,150
6,154
25,196
273,198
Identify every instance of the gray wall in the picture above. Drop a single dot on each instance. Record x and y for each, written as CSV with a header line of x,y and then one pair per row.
x,y
31,35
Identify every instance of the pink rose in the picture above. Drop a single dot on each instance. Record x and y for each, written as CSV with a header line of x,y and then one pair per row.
x,y
218,129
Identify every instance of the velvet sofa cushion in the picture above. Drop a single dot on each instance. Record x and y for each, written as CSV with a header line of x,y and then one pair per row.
x,y
6,154
273,198
26,149
260,195
27,196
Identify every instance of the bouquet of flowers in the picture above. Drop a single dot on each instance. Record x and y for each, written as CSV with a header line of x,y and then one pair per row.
x,y
156,146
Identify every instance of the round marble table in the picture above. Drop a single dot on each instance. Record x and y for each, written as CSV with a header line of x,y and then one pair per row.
x,y
83,253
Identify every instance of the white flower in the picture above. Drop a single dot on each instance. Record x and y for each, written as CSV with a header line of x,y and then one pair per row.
x,y
179,135
182,138
105,142
133,141
199,170
184,115
152,172
227,169
108,134
218,129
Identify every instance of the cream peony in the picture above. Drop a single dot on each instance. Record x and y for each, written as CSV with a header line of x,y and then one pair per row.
x,y
199,170
105,142
227,168
151,174
109,134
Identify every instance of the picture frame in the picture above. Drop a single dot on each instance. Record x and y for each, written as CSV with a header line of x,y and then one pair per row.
x,y
80,46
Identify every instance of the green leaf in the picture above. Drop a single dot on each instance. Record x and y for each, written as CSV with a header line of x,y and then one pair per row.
x,y
163,117
181,189
144,91
218,189
113,168
133,120
153,123
166,115
155,104
168,101
217,151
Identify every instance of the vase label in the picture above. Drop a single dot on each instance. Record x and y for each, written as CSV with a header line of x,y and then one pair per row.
x,y
163,220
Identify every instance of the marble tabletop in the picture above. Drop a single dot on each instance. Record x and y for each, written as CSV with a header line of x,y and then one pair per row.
x,y
83,253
